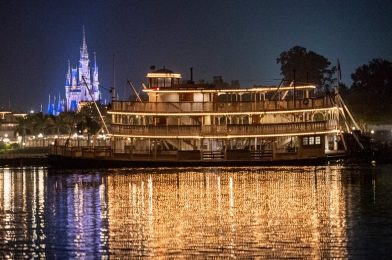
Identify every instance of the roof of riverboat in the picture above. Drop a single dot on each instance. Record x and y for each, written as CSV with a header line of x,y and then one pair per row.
x,y
206,88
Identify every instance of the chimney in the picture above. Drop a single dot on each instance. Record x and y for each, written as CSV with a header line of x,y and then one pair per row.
x,y
191,80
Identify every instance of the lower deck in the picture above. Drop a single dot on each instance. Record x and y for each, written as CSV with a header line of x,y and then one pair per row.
x,y
114,161
207,150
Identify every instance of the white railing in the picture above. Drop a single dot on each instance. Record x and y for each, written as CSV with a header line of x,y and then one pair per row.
x,y
222,130
219,107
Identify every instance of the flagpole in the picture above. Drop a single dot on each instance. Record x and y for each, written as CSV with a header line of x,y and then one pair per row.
x,y
339,76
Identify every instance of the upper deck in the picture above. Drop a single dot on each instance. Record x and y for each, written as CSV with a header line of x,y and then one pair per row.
x,y
256,107
177,110
168,96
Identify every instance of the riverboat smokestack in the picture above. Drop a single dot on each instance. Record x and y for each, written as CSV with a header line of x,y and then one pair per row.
x,y
191,80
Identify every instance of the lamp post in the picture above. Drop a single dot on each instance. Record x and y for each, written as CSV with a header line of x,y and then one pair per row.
x,y
372,141
79,137
6,141
75,136
41,139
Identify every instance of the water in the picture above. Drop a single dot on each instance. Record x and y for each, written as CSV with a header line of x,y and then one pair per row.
x,y
265,212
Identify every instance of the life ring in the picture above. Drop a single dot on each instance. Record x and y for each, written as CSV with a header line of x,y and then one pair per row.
x,y
305,101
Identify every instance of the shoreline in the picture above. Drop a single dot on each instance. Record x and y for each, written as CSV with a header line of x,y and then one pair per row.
x,y
23,159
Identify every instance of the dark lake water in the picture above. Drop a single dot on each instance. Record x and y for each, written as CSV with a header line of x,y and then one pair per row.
x,y
266,212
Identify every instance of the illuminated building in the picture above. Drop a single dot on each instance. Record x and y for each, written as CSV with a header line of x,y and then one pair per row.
x,y
9,124
81,84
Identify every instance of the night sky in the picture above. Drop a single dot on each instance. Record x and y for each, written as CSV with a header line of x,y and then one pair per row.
x,y
235,39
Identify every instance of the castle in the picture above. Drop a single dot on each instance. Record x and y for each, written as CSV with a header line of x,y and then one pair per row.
x,y
81,84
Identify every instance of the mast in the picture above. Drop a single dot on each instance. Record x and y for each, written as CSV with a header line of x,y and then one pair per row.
x,y
96,106
113,90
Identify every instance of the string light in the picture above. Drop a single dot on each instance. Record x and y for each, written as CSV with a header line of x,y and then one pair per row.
x,y
238,90
334,131
139,113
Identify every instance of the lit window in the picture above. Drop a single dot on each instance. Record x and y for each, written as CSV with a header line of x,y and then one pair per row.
x,y
305,141
318,140
311,140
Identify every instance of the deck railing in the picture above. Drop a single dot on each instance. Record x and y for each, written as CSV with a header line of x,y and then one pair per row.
x,y
81,151
223,130
219,107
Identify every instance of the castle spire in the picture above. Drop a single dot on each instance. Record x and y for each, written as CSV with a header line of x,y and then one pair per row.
x,y
49,106
83,48
95,73
68,77
84,36
59,108
95,61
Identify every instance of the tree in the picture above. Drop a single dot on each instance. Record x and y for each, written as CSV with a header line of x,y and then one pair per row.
x,y
89,119
65,122
309,67
370,95
32,124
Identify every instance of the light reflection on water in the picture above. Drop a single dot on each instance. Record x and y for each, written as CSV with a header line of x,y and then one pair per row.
x,y
270,212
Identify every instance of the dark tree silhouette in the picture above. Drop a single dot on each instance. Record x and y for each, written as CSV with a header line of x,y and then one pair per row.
x,y
65,122
88,118
309,67
370,95
32,124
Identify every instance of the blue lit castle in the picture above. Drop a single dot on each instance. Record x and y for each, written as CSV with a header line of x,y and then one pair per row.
x,y
81,83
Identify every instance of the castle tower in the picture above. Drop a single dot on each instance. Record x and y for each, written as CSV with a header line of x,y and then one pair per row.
x,y
95,82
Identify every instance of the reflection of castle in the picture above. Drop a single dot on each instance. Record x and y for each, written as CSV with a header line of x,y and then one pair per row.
x,y
76,90
78,205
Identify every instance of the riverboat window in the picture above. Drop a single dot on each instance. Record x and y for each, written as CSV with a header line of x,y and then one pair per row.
x,y
186,97
161,82
311,140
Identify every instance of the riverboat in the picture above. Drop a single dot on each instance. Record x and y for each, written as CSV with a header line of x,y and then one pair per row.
x,y
198,123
